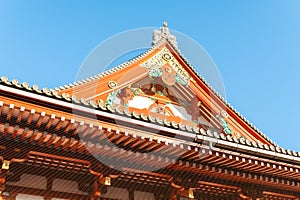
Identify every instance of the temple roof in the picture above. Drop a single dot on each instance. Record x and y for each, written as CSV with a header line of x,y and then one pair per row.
x,y
43,118
46,103
154,115
232,141
188,85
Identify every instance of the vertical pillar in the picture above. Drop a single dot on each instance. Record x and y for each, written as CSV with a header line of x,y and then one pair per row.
x,y
173,194
96,190
99,187
131,194
47,195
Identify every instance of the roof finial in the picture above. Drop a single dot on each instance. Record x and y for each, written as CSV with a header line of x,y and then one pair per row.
x,y
165,24
164,33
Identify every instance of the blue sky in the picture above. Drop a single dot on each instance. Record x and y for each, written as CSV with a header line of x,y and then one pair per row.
x,y
254,43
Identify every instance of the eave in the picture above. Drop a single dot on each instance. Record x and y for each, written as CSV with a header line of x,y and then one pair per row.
x,y
252,155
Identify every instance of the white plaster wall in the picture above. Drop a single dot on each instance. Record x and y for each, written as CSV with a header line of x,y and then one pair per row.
x,y
61,185
139,195
179,111
31,181
116,193
140,102
28,197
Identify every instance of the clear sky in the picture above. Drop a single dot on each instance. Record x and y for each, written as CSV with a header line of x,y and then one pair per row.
x,y
254,43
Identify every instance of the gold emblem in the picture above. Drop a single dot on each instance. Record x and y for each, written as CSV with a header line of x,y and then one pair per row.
x,y
167,57
112,84
224,114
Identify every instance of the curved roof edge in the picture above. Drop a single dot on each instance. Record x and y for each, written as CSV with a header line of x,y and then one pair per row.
x,y
159,37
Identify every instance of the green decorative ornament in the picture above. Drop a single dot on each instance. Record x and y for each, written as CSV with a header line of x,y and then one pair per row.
x,y
112,98
136,92
224,124
153,99
227,130
160,93
179,80
155,73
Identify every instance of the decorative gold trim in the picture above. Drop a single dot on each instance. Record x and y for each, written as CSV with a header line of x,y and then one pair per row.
x,y
5,164
112,84
160,59
224,114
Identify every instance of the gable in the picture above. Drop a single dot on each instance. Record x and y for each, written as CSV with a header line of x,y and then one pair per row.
x,y
161,84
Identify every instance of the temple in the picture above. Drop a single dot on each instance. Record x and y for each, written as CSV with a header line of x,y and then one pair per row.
x,y
149,129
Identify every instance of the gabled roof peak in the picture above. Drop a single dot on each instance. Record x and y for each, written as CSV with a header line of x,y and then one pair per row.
x,y
164,33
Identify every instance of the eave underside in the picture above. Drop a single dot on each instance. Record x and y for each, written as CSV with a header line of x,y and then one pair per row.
x,y
42,143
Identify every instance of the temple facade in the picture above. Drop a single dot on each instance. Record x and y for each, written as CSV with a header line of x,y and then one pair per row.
x,y
149,129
